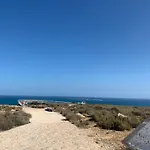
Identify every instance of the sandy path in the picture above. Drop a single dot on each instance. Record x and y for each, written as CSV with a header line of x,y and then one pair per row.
x,y
46,131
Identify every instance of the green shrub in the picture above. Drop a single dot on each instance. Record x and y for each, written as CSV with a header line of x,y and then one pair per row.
x,y
134,122
115,110
82,110
104,116
95,117
121,125
82,123
136,113
90,112
58,109
9,119
114,123
98,107
71,116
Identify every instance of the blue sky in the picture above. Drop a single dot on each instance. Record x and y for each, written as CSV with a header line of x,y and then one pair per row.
x,y
75,48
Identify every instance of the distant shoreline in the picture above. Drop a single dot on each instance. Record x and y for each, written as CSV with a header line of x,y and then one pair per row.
x,y
99,97
13,100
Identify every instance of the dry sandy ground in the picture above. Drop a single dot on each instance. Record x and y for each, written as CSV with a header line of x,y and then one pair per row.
x,y
46,131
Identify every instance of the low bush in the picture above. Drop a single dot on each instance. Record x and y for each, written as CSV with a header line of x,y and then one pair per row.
x,y
111,122
115,110
134,121
104,116
121,124
137,113
10,119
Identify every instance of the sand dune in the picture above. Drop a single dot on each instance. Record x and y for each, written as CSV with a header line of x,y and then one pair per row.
x,y
46,131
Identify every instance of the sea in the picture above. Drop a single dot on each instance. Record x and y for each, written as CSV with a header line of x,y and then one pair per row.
x,y
13,100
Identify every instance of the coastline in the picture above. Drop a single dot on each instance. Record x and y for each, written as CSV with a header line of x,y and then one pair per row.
x,y
12,100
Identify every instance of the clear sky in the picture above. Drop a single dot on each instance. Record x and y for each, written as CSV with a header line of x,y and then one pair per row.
x,y
75,48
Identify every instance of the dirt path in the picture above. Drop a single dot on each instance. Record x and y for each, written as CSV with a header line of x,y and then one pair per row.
x,y
46,131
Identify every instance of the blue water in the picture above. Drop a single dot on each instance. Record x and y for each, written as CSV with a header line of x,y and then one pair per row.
x,y
12,100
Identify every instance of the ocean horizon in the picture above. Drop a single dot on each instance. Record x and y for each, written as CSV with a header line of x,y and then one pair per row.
x,y
13,100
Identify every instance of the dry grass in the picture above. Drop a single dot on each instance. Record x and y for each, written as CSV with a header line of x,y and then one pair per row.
x,y
12,117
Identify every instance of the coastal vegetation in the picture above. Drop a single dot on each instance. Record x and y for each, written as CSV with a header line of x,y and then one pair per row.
x,y
109,117
12,116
